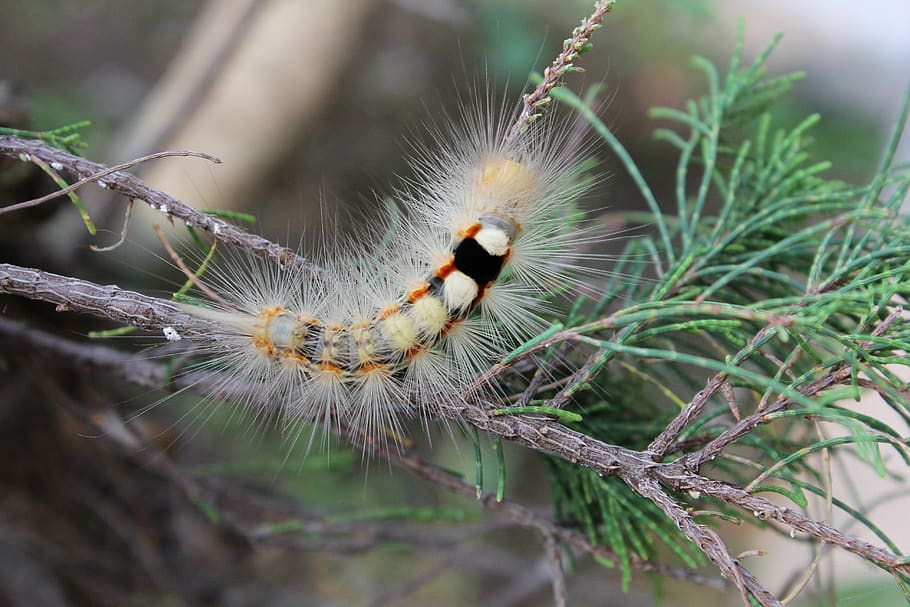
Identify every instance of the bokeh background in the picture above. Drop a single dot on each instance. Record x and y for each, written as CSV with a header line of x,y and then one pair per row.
x,y
312,107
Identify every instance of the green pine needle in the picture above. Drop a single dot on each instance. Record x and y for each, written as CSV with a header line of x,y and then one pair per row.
x,y
767,273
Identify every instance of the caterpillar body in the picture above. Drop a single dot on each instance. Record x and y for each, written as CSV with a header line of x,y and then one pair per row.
x,y
398,327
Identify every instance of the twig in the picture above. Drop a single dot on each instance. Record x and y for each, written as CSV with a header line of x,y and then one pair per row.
x,y
693,409
832,377
709,543
126,224
98,176
195,280
557,570
763,509
534,103
133,188
694,461
111,302
528,518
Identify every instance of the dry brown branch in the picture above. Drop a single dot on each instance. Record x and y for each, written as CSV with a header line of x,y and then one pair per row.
x,y
133,188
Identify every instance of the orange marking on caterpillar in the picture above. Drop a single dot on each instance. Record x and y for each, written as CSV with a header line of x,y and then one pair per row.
x,y
330,367
367,367
470,231
261,342
419,292
414,352
272,312
447,268
385,313
289,357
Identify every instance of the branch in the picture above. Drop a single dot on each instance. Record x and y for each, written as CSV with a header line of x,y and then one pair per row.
x,y
110,302
133,188
835,376
765,510
693,409
696,460
534,104
709,543
526,517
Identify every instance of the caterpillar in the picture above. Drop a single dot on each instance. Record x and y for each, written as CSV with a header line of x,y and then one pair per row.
x,y
395,327
399,322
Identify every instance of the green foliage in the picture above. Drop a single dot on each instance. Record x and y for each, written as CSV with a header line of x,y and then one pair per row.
x,y
66,137
766,273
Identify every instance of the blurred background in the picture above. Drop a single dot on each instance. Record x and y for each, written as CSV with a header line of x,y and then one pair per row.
x,y
312,107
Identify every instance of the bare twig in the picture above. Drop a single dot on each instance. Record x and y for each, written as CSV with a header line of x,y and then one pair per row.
x,y
111,302
133,188
763,509
534,103
528,518
126,225
832,377
98,176
195,280
693,409
708,542
746,425
557,570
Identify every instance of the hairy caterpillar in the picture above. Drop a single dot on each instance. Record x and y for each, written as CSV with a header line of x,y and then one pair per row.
x,y
397,326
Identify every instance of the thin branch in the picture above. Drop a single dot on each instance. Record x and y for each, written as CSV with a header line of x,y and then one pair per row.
x,y
693,409
557,570
126,225
110,302
525,517
534,104
708,542
694,461
195,280
132,187
97,177
763,509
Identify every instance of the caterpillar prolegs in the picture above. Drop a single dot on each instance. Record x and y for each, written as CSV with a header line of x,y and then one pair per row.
x,y
402,325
